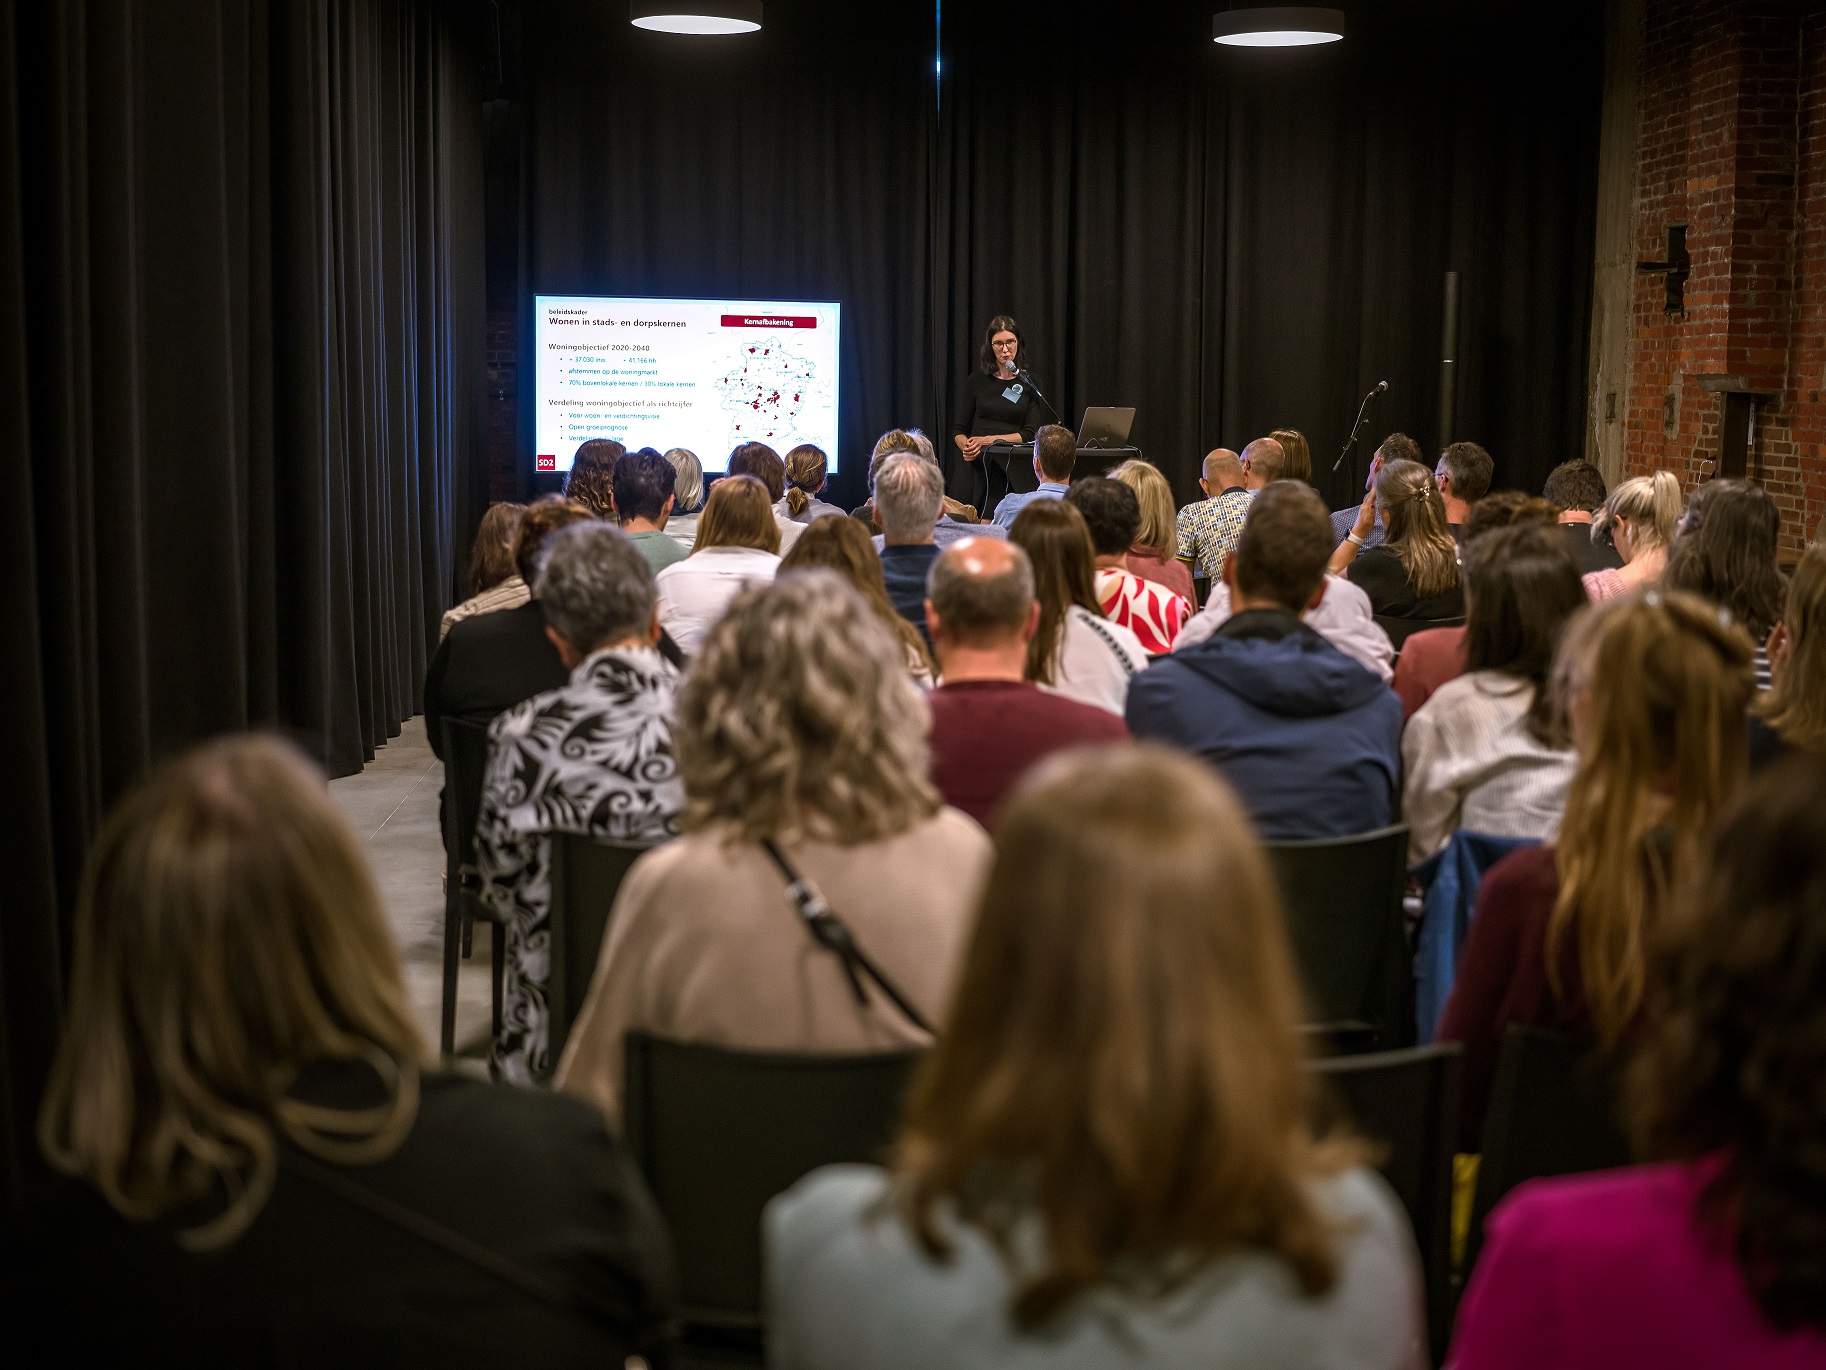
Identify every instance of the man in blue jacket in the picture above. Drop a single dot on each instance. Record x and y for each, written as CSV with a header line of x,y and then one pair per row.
x,y
1310,740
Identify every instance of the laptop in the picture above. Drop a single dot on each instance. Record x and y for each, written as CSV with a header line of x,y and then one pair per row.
x,y
1105,427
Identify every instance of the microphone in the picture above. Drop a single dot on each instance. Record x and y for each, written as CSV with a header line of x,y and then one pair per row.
x,y
1357,428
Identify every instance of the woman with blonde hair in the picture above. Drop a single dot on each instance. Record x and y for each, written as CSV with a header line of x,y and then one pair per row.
x,y
844,546
687,496
1413,574
807,470
494,580
1106,1158
1656,687
802,744
1791,715
1639,517
257,1153
737,547
1296,454
1155,555
1075,651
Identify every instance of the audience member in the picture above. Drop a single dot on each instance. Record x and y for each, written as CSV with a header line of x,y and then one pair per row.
x,y
1152,612
803,748
1725,552
759,460
1462,475
1414,574
1577,488
807,470
1055,452
1655,689
593,758
1792,715
738,544
1075,651
958,520
1105,1160
842,545
1209,528
591,479
1310,739
1639,518
1714,1255
990,725
492,661
1155,553
1432,656
494,581
1296,454
1263,463
644,491
1489,751
260,1163
687,495
1395,447
909,493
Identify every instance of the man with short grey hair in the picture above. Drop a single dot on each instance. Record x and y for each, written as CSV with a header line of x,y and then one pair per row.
x,y
989,724
592,758
909,494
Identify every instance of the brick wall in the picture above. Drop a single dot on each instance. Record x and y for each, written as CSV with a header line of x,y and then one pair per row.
x,y
1731,142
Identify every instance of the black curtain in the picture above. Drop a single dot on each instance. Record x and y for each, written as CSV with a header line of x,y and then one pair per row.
x,y
1229,241
240,353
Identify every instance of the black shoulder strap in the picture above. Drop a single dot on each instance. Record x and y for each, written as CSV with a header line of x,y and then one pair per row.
x,y
834,935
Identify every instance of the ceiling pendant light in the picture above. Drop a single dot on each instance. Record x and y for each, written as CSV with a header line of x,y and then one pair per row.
x,y
1277,26
697,16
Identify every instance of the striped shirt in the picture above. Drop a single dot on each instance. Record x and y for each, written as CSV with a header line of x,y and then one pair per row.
x,y
509,594
1147,609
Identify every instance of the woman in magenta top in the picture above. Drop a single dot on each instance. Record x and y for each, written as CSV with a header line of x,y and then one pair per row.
x,y
1715,1257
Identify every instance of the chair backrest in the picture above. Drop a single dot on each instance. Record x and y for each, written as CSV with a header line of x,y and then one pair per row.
x,y
465,764
1401,629
718,1133
1553,1111
1407,1103
1343,898
586,874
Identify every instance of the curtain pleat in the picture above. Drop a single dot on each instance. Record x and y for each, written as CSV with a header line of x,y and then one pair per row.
x,y
240,372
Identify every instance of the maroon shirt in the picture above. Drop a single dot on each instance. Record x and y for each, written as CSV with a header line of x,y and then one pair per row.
x,y
1502,976
986,734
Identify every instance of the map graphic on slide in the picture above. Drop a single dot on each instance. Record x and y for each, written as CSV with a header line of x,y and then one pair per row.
x,y
705,375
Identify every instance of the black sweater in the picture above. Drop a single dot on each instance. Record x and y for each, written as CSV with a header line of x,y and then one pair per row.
x,y
983,408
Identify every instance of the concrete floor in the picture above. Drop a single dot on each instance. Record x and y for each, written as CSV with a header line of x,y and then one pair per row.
x,y
393,807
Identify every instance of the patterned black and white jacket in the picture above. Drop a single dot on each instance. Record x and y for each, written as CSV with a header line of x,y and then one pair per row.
x,y
593,758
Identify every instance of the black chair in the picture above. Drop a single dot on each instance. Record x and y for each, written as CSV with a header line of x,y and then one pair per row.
x,y
717,1133
1401,629
586,874
1343,898
1553,1111
1407,1102
465,762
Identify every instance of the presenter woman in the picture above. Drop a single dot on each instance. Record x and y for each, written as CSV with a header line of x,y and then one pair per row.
x,y
994,404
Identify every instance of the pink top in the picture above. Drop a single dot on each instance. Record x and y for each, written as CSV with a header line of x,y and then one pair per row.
x,y
1609,1270
1605,584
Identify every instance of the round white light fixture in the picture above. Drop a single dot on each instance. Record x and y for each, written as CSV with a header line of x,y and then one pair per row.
x,y
697,16
1277,26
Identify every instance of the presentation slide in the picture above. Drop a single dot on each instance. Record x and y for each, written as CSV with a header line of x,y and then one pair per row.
x,y
707,375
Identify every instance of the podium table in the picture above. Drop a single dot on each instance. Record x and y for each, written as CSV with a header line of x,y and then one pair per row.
x,y
1008,467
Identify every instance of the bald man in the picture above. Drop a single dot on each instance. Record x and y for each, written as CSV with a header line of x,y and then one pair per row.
x,y
1264,462
1208,530
989,726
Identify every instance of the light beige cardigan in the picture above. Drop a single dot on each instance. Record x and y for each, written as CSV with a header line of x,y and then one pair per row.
x,y
703,946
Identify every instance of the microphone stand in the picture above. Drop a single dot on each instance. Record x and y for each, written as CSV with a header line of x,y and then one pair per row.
x,y
1021,374
1357,428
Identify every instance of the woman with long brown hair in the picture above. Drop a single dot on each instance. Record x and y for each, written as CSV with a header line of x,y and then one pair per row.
x,y
1076,651
1655,688
993,405
258,1153
1296,454
1108,1148
737,546
1792,715
1714,1255
844,546
494,580
1413,574
1725,553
